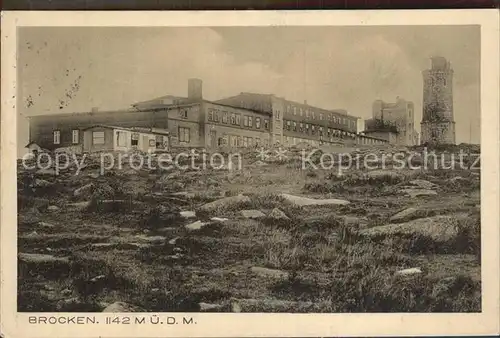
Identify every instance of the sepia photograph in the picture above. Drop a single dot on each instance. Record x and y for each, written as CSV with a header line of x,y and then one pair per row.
x,y
294,169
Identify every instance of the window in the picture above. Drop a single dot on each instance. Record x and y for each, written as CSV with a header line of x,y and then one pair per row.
x,y
330,117
183,114
233,140
266,124
98,137
233,118
321,130
294,126
160,143
250,121
257,142
121,139
320,116
184,135
216,116
238,141
224,117
329,132
444,82
287,125
257,122
301,126
245,121
307,127
295,111
307,113
312,115
245,141
250,142
277,115
313,129
57,137
238,119
210,115
75,133
134,139
301,112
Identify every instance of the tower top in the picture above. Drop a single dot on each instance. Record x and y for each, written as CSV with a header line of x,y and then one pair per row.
x,y
440,63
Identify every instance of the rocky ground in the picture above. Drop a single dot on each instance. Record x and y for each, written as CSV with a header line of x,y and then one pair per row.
x,y
271,237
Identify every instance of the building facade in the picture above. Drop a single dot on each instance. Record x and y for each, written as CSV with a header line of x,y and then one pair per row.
x,y
438,125
393,121
293,123
242,121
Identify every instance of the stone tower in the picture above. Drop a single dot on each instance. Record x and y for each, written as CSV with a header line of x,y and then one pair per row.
x,y
438,125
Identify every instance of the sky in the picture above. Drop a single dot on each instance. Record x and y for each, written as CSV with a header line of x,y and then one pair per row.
x,y
69,69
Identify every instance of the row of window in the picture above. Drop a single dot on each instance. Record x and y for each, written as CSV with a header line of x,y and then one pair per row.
x,y
235,119
241,141
365,140
314,129
321,116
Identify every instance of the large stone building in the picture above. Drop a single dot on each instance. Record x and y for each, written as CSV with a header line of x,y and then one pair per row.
x,y
245,120
293,122
438,125
393,122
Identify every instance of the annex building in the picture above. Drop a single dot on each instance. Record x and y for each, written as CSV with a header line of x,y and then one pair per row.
x,y
242,121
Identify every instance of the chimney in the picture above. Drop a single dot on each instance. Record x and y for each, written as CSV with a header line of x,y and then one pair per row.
x,y
305,102
94,109
195,89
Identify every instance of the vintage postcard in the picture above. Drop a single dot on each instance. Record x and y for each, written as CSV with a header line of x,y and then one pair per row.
x,y
244,174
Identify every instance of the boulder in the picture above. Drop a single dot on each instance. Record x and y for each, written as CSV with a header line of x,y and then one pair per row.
x,y
440,228
410,271
404,215
41,258
278,215
206,307
269,273
252,214
219,219
173,241
457,179
39,183
275,305
79,205
198,225
423,184
223,203
187,214
418,192
86,190
45,225
121,307
304,201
